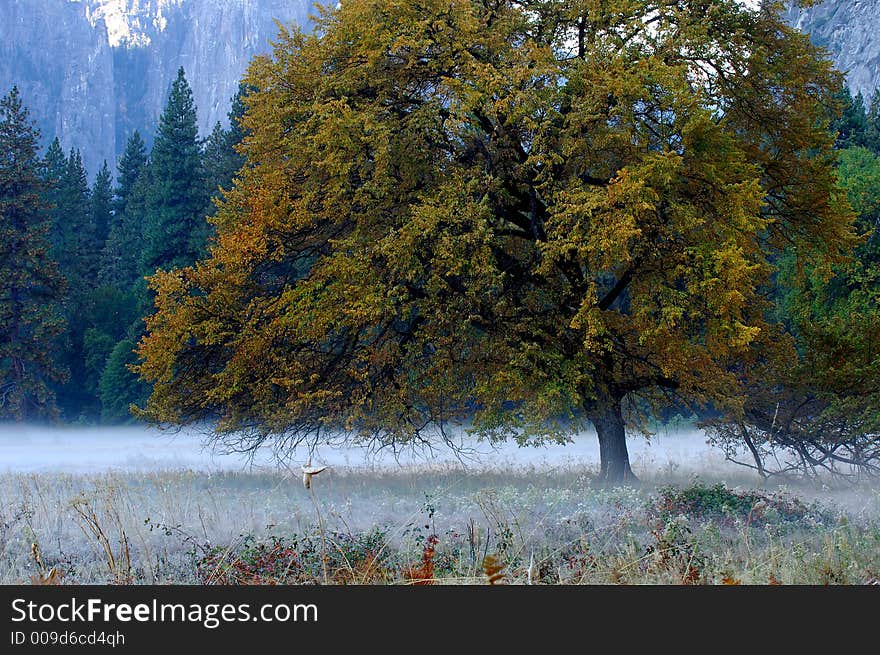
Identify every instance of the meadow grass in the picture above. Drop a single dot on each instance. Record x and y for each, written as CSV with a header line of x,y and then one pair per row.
x,y
432,526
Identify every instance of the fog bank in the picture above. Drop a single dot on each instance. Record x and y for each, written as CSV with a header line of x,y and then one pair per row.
x,y
32,449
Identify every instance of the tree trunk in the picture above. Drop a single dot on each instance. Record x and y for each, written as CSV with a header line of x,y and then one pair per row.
x,y
607,418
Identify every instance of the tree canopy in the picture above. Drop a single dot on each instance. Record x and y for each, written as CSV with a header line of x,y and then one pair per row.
x,y
818,409
526,215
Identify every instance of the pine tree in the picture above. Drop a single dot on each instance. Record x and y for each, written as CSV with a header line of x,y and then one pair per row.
x,y
237,129
872,135
76,249
121,261
30,285
129,169
53,170
72,230
113,316
122,254
221,160
116,310
216,162
175,227
102,205
124,300
119,387
851,125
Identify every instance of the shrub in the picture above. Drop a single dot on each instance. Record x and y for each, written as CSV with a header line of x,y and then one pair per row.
x,y
725,505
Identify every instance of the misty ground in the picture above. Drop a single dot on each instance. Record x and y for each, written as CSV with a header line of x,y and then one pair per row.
x,y
34,449
131,505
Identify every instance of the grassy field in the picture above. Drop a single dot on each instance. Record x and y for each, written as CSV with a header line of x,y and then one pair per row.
x,y
444,526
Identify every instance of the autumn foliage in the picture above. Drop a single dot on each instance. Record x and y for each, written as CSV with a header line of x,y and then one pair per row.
x,y
528,215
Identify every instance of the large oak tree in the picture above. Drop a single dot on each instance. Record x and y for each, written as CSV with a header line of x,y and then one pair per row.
x,y
525,215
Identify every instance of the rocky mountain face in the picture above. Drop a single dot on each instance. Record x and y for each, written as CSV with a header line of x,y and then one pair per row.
x,y
850,30
64,70
92,71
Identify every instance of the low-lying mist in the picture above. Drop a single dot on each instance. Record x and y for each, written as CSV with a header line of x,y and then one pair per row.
x,y
167,508
30,449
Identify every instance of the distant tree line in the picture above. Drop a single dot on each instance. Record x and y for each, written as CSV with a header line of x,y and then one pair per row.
x,y
75,257
859,122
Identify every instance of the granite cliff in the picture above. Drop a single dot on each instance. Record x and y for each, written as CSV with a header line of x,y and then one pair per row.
x,y
92,71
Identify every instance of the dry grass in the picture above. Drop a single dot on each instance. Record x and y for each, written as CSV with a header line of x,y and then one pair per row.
x,y
438,527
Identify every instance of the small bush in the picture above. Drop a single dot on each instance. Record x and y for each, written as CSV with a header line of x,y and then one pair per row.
x,y
727,506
